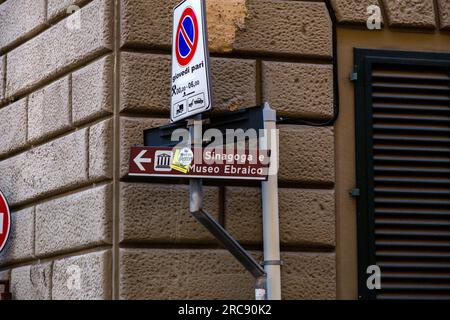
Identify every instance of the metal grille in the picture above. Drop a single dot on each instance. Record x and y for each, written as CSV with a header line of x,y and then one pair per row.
x,y
408,178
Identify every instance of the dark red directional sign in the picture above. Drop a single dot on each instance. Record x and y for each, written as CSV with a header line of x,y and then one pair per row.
x,y
5,221
198,163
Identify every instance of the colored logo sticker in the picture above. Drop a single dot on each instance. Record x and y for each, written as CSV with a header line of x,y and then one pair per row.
x,y
182,160
187,37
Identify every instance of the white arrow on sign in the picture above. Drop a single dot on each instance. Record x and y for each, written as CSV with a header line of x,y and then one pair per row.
x,y
139,160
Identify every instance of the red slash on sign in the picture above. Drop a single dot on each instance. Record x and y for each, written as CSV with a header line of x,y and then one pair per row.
x,y
5,221
198,163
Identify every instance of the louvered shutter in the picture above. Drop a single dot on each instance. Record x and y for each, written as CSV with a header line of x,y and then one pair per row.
x,y
403,172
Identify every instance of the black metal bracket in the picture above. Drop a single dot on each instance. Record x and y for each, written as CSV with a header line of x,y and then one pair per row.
x,y
227,240
248,118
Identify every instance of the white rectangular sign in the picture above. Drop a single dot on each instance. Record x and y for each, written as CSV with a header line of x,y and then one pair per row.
x,y
191,84
1,222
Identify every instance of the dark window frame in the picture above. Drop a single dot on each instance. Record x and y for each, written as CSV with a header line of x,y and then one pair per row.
x,y
364,59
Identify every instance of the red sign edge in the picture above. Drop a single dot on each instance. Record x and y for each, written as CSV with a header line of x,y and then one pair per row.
x,y
8,212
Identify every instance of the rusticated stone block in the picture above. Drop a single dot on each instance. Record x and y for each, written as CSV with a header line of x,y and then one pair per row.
x,y
101,151
13,131
444,13
297,28
19,20
58,8
307,155
353,11
299,90
413,13
20,245
78,221
160,213
183,274
95,277
92,91
308,276
307,217
53,167
31,282
49,111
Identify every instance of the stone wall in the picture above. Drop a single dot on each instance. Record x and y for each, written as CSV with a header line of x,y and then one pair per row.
x,y
72,103
56,146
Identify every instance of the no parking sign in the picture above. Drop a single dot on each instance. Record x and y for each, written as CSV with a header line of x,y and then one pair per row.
x,y
191,89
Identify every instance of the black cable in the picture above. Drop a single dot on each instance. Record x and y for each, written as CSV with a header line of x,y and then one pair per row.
x,y
330,122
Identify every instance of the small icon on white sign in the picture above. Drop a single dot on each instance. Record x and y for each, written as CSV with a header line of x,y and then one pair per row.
x,y
163,160
198,101
180,108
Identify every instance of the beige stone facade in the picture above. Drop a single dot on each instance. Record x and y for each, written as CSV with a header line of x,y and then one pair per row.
x,y
73,102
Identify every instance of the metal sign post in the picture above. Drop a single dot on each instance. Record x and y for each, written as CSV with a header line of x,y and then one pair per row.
x,y
195,185
196,209
153,161
269,193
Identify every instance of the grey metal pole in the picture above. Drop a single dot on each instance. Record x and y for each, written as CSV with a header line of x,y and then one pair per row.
x,y
269,192
196,185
